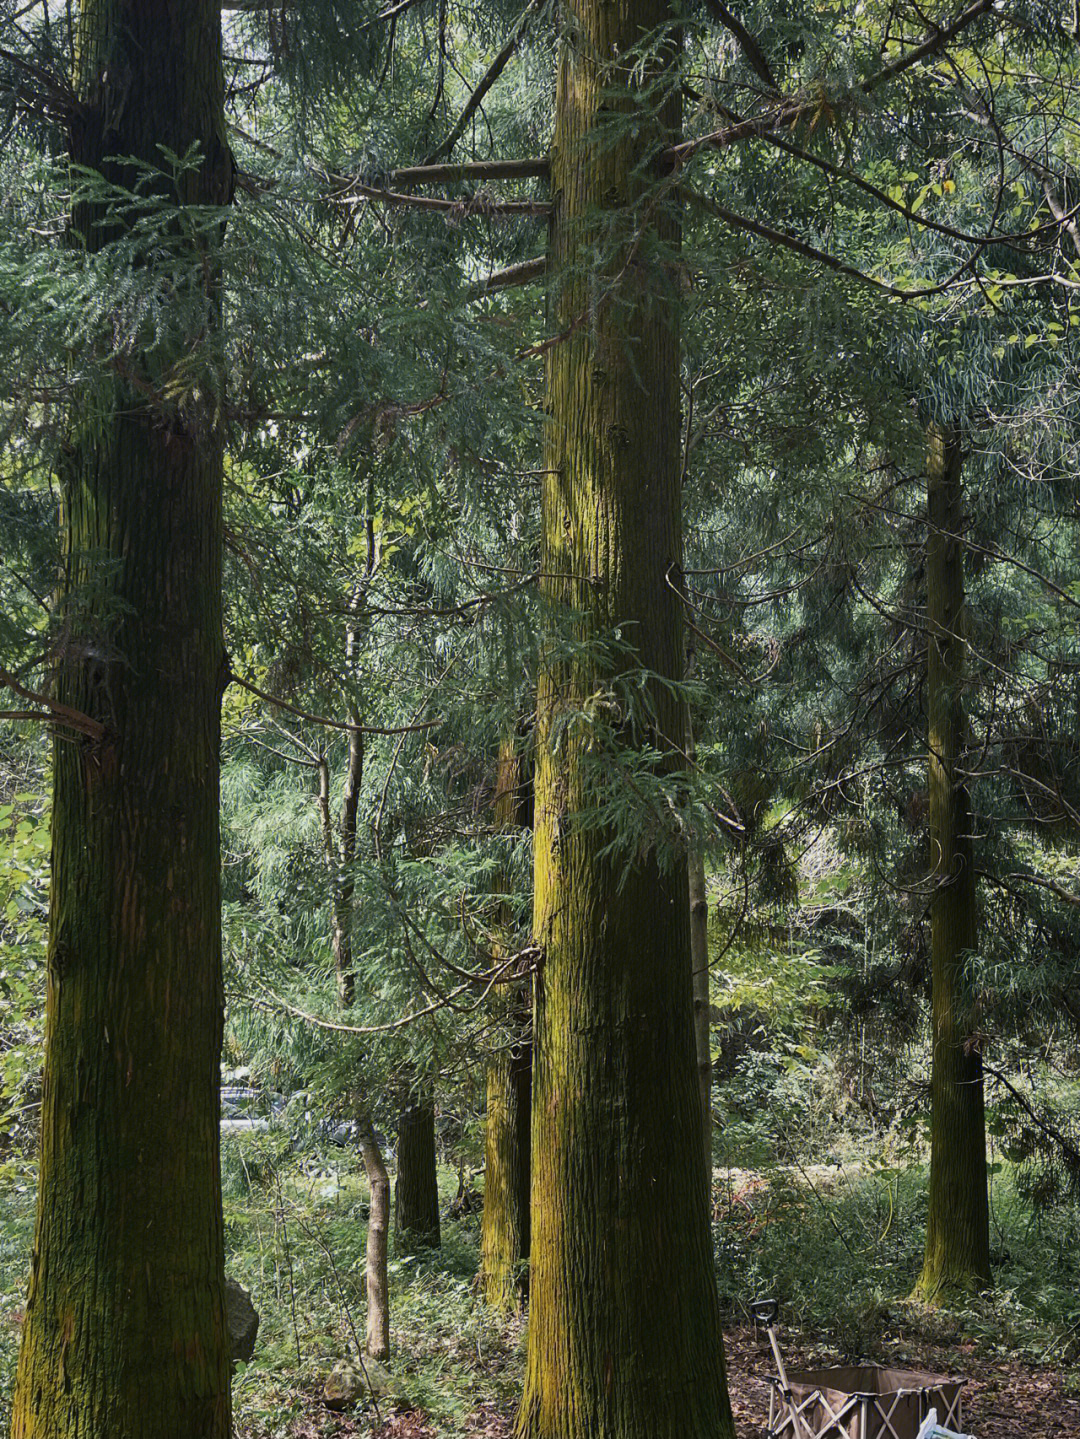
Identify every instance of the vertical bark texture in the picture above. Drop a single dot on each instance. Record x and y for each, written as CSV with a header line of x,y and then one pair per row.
x,y
957,1233
507,1124
624,1334
504,1239
416,1195
699,959
699,964
125,1334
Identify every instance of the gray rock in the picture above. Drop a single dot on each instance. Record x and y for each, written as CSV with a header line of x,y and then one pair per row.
x,y
243,1321
350,1383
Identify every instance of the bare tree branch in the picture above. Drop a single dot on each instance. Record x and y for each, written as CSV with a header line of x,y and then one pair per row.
x,y
56,712
322,719
522,274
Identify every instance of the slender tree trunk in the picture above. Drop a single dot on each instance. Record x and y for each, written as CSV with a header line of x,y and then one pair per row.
x,y
624,1332
957,1233
699,963
125,1333
339,855
699,958
377,1336
416,1196
504,1239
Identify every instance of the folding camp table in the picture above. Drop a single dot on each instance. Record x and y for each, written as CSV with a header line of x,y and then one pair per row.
x,y
859,1402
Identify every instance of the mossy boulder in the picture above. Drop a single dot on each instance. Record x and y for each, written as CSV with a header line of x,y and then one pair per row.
x,y
352,1382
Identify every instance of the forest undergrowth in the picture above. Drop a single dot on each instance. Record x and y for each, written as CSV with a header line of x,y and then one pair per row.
x,y
837,1238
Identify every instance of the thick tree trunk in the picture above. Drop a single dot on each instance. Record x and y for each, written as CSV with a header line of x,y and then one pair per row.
x,y
125,1333
504,1239
624,1333
377,1336
957,1255
416,1195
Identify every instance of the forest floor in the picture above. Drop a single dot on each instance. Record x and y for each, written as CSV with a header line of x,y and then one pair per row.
x,y
1004,1399
296,1235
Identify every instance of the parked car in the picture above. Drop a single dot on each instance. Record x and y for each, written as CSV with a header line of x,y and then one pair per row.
x,y
249,1111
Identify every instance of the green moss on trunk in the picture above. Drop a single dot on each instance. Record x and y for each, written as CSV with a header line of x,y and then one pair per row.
x,y
505,1226
125,1333
505,1234
624,1334
957,1257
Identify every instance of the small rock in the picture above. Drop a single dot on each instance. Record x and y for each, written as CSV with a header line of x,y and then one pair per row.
x,y
243,1321
349,1383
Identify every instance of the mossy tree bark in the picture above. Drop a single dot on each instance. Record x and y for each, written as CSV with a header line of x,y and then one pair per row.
x,y
505,1229
416,1194
957,1257
125,1332
504,1239
624,1333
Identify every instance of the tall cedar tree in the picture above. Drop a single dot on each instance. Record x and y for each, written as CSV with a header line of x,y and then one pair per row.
x,y
624,1332
957,1254
125,1332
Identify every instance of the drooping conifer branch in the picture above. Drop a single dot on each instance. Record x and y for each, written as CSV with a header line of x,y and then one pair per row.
x,y
498,65
324,720
753,52
822,257
791,112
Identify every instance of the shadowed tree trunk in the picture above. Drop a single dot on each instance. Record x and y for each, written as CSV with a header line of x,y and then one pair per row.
x,y
957,1254
699,963
699,958
416,1195
624,1333
125,1332
507,1122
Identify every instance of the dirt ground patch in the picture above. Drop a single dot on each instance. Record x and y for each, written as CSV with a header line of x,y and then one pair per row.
x,y
1003,1399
